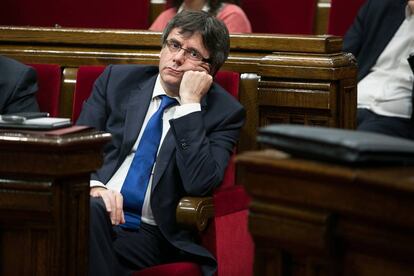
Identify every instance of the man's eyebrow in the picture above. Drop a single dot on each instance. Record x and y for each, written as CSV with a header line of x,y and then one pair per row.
x,y
174,40
193,49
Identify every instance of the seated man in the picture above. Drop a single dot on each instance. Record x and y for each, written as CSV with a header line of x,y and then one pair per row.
x,y
382,38
174,116
18,87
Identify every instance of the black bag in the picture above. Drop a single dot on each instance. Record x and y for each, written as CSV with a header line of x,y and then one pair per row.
x,y
338,145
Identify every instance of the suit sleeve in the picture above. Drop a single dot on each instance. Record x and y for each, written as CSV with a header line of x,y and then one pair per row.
x,y
354,37
202,156
23,94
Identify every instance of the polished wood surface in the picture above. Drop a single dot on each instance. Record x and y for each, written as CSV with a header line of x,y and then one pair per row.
x,y
44,201
194,212
284,78
313,218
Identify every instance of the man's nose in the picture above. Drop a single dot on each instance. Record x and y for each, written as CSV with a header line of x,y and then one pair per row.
x,y
180,56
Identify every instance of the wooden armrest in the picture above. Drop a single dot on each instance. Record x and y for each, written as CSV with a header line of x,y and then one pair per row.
x,y
194,212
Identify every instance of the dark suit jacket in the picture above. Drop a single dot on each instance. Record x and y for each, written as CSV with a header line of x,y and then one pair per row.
x,y
17,87
375,25
193,156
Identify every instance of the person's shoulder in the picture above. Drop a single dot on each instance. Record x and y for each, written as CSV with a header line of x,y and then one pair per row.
x,y
235,18
232,7
131,69
229,8
161,21
13,69
169,12
374,5
129,72
12,64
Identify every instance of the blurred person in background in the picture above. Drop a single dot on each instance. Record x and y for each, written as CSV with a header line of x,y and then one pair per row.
x,y
18,87
228,11
382,38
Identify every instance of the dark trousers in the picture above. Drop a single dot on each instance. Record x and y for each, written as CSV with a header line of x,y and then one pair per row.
x,y
393,126
116,251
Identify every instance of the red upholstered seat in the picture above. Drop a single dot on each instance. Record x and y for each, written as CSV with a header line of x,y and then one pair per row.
x,y
48,79
227,236
280,16
173,269
85,79
342,14
130,14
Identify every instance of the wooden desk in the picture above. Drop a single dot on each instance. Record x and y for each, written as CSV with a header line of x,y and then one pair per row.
x,y
311,218
44,201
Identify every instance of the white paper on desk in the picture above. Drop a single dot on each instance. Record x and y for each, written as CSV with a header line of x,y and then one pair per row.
x,y
41,123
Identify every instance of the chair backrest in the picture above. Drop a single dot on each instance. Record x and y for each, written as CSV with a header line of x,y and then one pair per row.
x,y
85,79
342,14
280,16
130,14
49,80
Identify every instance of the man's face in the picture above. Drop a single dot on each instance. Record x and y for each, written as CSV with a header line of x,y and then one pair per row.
x,y
174,61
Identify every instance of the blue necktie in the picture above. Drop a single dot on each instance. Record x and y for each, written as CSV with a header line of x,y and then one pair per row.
x,y
136,181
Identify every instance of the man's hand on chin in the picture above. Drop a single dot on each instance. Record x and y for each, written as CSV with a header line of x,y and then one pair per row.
x,y
113,202
194,85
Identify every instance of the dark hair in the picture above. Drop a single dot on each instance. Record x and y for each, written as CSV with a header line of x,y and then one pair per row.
x,y
213,32
213,4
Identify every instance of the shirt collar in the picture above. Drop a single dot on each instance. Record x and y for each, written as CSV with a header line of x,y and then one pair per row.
x,y
159,90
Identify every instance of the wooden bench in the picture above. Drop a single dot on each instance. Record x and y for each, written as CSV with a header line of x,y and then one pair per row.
x,y
283,78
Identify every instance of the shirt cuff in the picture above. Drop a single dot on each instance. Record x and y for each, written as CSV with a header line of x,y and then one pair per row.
x,y
185,109
96,183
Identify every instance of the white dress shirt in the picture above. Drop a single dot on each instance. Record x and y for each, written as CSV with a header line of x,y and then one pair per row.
x,y
387,89
117,180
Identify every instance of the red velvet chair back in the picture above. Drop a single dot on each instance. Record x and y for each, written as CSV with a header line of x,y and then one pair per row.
x,y
48,80
280,16
130,14
85,79
342,14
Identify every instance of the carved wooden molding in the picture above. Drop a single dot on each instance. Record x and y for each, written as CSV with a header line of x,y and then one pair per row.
x,y
194,212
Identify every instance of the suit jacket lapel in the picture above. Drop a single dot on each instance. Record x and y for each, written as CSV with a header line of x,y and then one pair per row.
x,y
163,158
138,102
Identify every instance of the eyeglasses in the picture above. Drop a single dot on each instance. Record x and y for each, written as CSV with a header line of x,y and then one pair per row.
x,y
192,54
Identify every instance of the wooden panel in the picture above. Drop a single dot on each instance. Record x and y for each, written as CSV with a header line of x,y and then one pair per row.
x,y
327,219
44,201
322,17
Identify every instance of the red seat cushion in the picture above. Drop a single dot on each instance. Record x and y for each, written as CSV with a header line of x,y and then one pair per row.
x,y
173,269
229,81
49,80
